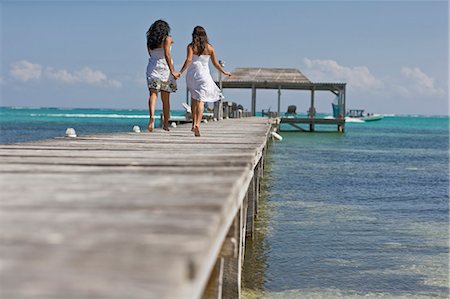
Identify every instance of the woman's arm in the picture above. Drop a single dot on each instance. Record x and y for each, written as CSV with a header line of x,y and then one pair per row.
x,y
188,61
167,42
215,63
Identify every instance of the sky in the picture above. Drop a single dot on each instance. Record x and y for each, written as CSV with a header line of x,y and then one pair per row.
x,y
394,56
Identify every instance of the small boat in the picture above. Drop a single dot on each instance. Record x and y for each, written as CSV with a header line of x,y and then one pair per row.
x,y
359,114
356,115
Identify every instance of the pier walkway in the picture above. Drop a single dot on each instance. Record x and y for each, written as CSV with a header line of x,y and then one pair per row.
x,y
130,215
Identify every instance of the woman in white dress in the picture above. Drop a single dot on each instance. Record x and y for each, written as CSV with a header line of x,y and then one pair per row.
x,y
199,81
160,72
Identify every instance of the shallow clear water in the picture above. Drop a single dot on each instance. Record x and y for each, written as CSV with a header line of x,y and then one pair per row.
x,y
360,214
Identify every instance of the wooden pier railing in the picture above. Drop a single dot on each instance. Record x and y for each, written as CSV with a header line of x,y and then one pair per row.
x,y
130,215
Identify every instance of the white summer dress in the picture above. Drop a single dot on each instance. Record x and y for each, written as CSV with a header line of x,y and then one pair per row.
x,y
199,81
158,72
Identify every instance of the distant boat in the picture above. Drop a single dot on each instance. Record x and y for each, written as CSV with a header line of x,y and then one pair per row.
x,y
356,115
359,114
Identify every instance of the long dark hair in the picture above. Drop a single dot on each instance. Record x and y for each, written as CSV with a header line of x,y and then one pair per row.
x,y
156,34
199,40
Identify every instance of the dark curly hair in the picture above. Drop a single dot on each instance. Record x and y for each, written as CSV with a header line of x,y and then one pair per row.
x,y
156,34
199,40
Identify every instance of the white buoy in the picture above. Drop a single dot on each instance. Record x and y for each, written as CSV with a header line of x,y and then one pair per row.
x,y
70,132
136,129
205,121
277,136
173,124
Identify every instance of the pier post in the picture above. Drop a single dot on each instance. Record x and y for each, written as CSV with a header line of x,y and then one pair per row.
x,y
231,285
262,162
251,209
214,287
218,110
312,112
279,100
257,176
253,100
226,110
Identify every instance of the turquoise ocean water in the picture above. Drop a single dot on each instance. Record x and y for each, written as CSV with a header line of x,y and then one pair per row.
x,y
27,124
363,214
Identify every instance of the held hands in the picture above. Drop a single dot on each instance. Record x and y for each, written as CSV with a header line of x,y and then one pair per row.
x,y
176,75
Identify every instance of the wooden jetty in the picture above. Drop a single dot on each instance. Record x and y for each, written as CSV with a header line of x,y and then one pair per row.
x,y
131,215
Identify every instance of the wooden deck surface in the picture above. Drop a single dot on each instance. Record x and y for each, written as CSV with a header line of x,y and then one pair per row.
x,y
126,215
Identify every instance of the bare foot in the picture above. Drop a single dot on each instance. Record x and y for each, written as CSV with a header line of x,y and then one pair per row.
x,y
166,129
192,129
196,131
150,126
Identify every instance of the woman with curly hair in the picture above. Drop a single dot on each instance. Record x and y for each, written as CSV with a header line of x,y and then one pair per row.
x,y
161,75
199,81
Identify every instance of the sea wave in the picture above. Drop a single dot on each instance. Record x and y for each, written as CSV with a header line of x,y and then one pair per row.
x,y
82,115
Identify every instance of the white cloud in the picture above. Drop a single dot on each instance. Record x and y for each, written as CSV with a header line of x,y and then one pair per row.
x,y
419,82
85,75
358,77
61,75
24,71
412,81
115,83
91,76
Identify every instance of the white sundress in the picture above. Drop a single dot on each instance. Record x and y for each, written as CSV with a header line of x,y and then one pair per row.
x,y
158,72
199,81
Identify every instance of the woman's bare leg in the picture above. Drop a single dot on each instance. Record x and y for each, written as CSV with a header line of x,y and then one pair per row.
x,y
151,108
165,97
200,108
193,112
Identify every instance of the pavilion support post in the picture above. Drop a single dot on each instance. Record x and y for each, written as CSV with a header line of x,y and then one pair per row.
x,y
312,112
253,100
279,100
343,95
340,115
339,95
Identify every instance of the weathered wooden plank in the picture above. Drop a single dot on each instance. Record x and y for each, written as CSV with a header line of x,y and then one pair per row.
x,y
153,188
174,167
121,161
